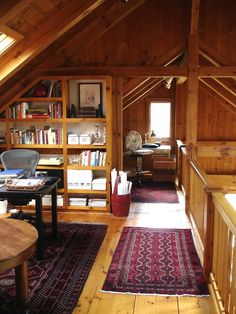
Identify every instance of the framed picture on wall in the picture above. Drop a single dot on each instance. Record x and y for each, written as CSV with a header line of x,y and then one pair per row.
x,y
90,95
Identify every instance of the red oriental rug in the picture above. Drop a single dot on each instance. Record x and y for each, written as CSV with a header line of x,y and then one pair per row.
x,y
57,281
156,261
155,192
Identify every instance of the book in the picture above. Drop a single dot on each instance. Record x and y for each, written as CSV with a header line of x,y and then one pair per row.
x,y
12,173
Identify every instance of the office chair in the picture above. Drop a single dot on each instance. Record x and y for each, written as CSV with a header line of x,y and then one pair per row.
x,y
26,159
134,149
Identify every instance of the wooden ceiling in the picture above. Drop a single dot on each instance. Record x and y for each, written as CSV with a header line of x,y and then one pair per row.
x,y
49,30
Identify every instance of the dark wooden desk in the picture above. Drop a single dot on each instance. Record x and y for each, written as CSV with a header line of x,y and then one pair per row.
x,y
17,242
48,189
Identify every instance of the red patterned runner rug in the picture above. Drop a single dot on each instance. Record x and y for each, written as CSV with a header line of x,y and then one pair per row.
x,y
56,282
156,261
154,192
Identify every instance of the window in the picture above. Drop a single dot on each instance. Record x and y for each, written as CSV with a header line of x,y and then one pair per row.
x,y
160,118
5,42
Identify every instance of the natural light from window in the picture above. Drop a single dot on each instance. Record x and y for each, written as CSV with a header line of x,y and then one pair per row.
x,y
5,42
231,198
160,119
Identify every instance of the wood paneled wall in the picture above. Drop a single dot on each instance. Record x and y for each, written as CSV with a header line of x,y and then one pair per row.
x,y
147,33
112,37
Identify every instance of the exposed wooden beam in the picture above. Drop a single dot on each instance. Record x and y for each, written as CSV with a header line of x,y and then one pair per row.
x,y
192,96
194,16
220,90
230,89
42,38
11,32
221,100
121,71
131,84
10,12
147,83
144,93
216,149
217,71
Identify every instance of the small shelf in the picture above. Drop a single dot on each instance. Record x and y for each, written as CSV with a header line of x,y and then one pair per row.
x,y
33,146
89,208
78,120
87,167
86,146
48,120
39,99
100,192
48,167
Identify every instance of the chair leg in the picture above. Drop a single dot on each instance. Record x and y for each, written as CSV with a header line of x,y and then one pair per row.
x,y
139,170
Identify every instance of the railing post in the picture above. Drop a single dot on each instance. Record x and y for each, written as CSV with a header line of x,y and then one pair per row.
x,y
187,188
208,238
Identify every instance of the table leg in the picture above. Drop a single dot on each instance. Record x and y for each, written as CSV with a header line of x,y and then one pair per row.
x,y
39,227
54,212
21,275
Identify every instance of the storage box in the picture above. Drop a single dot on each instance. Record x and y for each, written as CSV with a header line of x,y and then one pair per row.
x,y
79,179
86,139
73,139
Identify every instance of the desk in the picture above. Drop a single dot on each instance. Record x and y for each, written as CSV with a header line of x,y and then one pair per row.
x,y
48,189
17,241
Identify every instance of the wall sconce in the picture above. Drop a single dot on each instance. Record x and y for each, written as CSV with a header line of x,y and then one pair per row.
x,y
167,82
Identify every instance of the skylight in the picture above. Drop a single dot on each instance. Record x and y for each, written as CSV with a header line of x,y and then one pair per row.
x,y
5,42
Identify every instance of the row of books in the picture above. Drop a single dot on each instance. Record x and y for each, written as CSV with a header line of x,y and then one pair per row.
x,y
87,112
24,110
90,158
47,135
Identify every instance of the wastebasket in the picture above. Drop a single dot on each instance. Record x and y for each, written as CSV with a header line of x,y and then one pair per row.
x,y
120,203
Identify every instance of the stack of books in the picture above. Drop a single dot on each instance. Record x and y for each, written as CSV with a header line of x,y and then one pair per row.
x,y
87,112
37,113
12,173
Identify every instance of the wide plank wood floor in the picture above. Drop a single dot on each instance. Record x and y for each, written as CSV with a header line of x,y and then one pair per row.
x,y
93,301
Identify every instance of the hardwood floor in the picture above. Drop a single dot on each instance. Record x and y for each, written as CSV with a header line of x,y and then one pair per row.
x,y
93,301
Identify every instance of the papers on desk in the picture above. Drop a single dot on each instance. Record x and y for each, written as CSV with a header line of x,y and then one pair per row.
x,y
12,173
119,183
31,184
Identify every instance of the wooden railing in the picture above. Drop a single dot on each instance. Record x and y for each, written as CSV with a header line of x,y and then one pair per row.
x,y
214,224
200,209
223,273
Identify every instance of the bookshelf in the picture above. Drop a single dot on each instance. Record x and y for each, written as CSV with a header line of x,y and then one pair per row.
x,y
45,113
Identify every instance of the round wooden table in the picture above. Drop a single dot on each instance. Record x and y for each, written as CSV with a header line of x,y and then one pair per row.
x,y
17,242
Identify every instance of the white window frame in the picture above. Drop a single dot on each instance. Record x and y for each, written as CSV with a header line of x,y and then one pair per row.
x,y
12,37
160,136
